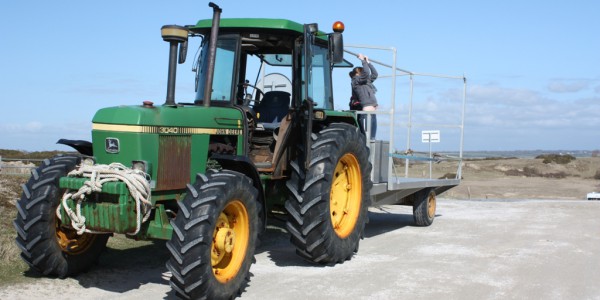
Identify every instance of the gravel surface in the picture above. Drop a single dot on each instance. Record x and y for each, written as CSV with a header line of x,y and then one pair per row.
x,y
477,249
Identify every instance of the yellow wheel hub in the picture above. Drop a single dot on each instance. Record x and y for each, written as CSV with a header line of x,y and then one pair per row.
x,y
431,206
345,196
72,243
230,241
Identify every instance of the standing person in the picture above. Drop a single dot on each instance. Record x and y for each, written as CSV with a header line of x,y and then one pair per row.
x,y
364,91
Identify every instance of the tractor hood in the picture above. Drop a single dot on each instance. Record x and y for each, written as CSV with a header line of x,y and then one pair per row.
x,y
178,116
172,139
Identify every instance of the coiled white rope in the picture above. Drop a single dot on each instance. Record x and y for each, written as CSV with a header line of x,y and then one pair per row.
x,y
136,182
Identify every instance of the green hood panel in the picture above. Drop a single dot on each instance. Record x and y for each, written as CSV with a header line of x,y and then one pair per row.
x,y
172,140
183,116
340,113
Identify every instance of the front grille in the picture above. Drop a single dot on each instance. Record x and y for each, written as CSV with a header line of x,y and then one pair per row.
x,y
174,162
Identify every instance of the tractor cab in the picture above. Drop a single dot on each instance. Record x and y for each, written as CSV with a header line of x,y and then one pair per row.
x,y
246,53
269,68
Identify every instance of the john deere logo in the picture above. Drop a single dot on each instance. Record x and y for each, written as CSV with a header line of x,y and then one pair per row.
x,y
111,145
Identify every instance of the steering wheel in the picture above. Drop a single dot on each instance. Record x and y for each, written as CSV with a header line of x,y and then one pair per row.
x,y
248,96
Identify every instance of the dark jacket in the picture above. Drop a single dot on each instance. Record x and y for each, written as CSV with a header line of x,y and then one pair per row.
x,y
362,87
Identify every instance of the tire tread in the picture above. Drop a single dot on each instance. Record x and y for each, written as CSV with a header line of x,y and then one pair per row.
x,y
308,204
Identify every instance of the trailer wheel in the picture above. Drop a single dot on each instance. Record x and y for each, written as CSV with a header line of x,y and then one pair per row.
x,y
46,244
328,203
424,207
214,237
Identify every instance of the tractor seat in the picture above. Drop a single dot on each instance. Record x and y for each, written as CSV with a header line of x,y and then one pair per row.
x,y
273,107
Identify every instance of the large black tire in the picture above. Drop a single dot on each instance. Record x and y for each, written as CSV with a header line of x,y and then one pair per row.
x,y
328,204
424,206
46,245
214,236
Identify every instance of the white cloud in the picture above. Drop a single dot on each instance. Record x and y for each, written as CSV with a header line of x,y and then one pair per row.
x,y
568,86
508,118
500,96
517,108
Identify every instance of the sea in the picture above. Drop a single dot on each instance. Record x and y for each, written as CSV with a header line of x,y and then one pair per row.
x,y
522,153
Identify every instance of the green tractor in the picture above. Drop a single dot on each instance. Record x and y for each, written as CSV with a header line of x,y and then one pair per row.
x,y
206,175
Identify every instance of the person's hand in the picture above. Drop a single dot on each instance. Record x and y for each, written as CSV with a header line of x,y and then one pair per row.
x,y
366,59
360,56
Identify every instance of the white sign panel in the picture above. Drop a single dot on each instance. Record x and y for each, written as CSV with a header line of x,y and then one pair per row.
x,y
430,136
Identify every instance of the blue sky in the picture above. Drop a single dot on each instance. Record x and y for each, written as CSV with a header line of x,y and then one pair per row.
x,y
533,67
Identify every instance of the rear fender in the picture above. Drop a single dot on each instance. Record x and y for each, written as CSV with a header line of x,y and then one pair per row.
x,y
83,147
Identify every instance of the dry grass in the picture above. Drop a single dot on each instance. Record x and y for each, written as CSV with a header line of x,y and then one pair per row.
x,y
10,189
584,168
11,264
29,155
528,179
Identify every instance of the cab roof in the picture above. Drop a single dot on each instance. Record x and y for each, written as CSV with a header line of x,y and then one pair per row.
x,y
246,24
251,23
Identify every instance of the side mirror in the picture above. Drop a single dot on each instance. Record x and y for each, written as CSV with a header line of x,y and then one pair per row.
x,y
336,47
183,52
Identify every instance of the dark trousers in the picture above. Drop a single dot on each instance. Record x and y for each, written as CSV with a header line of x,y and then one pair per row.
x,y
362,121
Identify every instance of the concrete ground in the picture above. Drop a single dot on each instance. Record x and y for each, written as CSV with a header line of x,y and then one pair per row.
x,y
492,249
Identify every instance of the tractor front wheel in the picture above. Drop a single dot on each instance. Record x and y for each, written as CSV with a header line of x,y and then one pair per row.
x,y
46,244
214,236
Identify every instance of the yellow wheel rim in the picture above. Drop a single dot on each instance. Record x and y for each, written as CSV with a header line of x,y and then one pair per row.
x,y
431,205
345,196
230,241
70,242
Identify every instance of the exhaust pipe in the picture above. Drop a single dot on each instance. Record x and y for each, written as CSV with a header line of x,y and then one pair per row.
x,y
212,52
173,34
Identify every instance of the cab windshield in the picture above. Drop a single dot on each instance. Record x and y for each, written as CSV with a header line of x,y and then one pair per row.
x,y
224,65
246,66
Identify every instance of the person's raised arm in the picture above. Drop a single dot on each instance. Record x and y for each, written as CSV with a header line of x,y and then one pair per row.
x,y
371,68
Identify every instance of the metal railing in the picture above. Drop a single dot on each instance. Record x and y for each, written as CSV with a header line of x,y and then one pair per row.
x,y
17,169
409,124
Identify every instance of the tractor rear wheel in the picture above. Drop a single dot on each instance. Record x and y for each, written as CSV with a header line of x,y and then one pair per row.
x,y
214,236
424,207
328,203
46,244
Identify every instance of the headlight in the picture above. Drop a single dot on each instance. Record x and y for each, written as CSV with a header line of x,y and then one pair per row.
x,y
141,165
319,115
88,161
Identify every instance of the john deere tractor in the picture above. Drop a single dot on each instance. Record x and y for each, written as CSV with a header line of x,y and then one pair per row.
x,y
207,174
